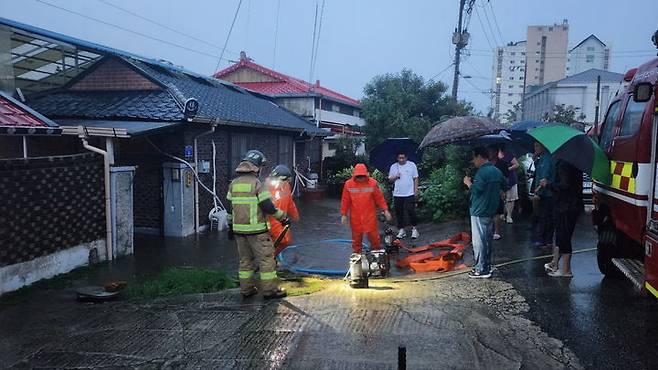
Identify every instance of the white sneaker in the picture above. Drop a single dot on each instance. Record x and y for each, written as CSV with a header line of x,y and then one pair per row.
x,y
509,220
497,237
401,234
414,233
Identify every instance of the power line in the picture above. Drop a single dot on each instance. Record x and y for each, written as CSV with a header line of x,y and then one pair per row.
x,y
484,31
590,52
134,14
476,87
237,10
276,32
315,30
493,15
442,72
317,42
127,29
493,34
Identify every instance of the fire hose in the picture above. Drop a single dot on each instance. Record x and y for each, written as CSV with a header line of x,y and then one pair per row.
x,y
502,264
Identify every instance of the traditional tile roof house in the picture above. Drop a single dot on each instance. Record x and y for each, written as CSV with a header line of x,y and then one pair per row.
x,y
143,110
326,108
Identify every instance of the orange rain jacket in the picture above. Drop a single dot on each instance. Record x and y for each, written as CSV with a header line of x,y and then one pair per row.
x,y
361,200
281,193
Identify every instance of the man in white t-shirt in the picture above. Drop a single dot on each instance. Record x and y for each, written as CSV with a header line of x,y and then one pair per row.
x,y
404,175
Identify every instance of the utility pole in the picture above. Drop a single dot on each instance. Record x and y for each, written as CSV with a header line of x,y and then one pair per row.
x,y
598,100
460,39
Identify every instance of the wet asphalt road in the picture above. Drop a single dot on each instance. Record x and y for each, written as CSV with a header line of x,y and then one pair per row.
x,y
524,318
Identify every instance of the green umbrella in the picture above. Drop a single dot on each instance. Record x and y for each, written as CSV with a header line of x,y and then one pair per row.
x,y
576,148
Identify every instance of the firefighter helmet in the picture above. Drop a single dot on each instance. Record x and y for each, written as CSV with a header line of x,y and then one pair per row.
x,y
255,157
281,171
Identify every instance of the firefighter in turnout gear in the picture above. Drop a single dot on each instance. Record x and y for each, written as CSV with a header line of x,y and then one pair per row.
x,y
279,186
250,206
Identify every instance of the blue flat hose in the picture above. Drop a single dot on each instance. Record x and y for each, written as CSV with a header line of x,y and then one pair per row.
x,y
292,268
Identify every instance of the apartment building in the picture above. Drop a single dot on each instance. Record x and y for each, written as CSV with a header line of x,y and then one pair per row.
x,y
508,77
546,53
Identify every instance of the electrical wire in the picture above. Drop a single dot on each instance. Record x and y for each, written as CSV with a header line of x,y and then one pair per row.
x,y
134,14
196,175
276,33
317,42
127,29
491,28
442,71
493,15
228,36
484,31
493,34
315,28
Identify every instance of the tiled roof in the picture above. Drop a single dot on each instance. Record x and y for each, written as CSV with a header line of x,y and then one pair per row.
x,y
217,99
17,118
151,105
590,75
285,85
227,101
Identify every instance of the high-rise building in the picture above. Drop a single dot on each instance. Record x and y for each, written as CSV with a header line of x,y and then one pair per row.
x,y
589,53
546,54
508,77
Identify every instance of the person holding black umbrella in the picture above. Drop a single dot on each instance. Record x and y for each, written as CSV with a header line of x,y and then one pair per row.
x,y
404,175
568,193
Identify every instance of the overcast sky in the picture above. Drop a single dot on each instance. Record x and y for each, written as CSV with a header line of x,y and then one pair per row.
x,y
358,39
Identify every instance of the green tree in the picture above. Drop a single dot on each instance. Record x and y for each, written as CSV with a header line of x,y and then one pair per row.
x,y
405,105
512,115
564,114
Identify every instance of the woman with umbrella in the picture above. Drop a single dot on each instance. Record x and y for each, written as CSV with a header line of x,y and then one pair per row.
x,y
575,153
568,196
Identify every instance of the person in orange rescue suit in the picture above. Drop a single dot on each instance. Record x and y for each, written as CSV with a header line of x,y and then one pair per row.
x,y
250,203
361,199
278,184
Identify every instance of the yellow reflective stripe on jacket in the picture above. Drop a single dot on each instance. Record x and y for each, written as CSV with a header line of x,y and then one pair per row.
x,y
268,275
247,274
245,200
249,228
241,188
263,196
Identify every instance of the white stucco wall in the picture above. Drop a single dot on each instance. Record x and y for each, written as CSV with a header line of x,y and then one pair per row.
x,y
18,275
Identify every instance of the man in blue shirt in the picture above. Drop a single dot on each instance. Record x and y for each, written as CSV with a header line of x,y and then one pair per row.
x,y
486,190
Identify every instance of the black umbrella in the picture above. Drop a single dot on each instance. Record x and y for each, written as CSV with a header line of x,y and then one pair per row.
x,y
460,129
383,155
501,138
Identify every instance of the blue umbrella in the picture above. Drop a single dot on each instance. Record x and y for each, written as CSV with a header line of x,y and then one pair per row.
x,y
518,132
383,155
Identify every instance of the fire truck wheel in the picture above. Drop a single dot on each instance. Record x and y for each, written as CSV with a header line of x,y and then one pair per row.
x,y
606,249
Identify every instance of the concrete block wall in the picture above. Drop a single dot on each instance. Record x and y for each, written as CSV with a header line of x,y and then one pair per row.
x,y
52,216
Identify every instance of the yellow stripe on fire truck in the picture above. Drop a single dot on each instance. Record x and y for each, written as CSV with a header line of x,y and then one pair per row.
x,y
622,176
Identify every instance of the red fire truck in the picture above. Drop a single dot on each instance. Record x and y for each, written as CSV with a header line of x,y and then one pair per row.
x,y
626,210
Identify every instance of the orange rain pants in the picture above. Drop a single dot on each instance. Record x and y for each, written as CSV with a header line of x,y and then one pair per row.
x,y
281,193
361,199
